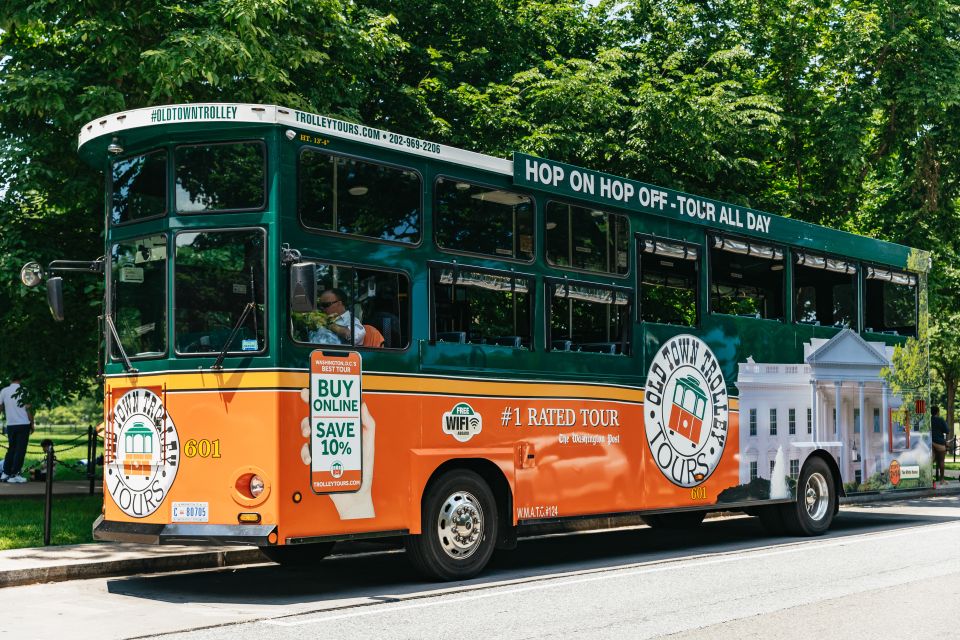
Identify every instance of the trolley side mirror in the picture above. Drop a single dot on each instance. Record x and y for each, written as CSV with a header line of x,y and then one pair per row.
x,y
55,297
303,287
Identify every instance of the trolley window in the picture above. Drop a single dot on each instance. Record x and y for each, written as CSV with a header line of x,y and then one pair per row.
x,y
220,177
138,291
345,195
746,278
357,306
138,187
480,307
475,219
585,317
668,281
217,274
890,301
824,290
587,239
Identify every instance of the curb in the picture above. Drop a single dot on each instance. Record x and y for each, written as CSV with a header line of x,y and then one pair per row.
x,y
951,489
216,558
129,566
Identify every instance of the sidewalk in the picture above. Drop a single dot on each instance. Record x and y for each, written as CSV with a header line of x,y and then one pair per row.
x,y
60,488
97,560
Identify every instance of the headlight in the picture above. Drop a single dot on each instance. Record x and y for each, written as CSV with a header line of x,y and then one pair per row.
x,y
256,486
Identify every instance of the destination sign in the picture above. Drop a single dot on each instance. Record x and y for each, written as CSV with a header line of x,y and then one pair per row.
x,y
606,189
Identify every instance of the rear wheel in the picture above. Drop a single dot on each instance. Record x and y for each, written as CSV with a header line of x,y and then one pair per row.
x,y
679,520
812,513
458,528
299,554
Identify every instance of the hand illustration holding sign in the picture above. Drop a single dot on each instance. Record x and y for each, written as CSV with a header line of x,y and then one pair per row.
x,y
359,504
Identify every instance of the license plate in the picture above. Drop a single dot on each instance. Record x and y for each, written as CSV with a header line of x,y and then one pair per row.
x,y
190,512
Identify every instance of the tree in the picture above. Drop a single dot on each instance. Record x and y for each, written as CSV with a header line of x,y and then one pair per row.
x,y
64,64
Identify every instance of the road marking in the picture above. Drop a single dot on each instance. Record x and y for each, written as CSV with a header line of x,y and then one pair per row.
x,y
595,575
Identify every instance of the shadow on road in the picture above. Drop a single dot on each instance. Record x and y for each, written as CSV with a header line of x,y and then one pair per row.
x,y
386,576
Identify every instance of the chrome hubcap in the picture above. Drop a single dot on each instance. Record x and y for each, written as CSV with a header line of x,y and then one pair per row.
x,y
816,497
460,525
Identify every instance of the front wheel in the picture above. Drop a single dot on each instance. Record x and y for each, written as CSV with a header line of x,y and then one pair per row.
x,y
812,513
458,528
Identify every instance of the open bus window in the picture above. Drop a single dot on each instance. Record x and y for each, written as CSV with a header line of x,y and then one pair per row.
x,y
359,198
668,282
746,278
890,302
379,301
216,275
484,220
823,290
138,187
138,293
588,318
220,177
479,307
587,239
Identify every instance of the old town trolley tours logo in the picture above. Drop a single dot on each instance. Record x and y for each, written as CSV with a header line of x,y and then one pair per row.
x,y
685,410
142,453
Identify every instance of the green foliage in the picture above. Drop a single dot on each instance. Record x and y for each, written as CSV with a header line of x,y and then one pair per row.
x,y
842,113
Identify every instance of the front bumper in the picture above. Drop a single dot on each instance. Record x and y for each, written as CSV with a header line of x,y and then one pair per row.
x,y
214,534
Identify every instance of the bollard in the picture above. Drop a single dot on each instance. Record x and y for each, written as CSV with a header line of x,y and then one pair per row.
x,y
91,456
48,506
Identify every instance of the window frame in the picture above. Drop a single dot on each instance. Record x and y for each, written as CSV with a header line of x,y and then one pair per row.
x,y
748,239
862,281
266,176
855,279
435,265
641,237
306,257
434,216
549,282
166,187
339,234
266,294
167,297
585,205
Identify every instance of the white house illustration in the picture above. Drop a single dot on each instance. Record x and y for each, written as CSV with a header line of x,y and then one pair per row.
x,y
791,408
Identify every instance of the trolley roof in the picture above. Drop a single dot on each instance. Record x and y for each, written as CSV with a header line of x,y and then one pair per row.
x,y
141,125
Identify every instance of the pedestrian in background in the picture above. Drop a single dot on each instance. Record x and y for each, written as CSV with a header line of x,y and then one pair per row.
x,y
938,432
19,427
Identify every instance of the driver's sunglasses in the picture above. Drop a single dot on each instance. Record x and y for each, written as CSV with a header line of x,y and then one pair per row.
x,y
324,305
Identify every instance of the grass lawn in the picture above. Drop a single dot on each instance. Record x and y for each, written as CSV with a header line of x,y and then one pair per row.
x,y
953,466
69,445
71,521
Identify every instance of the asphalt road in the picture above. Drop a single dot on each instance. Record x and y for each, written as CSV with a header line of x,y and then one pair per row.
x,y
885,570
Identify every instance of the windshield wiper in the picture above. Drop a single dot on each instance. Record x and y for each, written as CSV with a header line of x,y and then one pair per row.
x,y
218,365
113,332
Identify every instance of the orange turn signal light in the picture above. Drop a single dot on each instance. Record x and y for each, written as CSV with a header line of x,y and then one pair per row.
x,y
248,518
297,497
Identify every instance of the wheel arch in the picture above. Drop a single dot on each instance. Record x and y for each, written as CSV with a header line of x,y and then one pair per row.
x,y
831,463
493,475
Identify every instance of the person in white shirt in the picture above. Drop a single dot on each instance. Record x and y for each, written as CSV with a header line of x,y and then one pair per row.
x,y
19,427
337,330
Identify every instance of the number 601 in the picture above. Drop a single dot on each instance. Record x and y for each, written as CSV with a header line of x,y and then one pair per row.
x,y
202,448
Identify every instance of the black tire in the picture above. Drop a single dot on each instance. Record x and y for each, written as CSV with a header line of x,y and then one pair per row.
x,y
771,517
298,555
812,513
679,520
448,549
